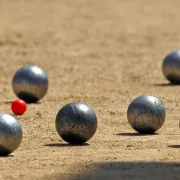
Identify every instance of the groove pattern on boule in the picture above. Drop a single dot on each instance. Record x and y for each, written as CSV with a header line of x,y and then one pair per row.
x,y
146,114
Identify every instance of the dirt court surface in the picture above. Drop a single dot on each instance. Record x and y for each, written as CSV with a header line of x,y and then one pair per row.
x,y
103,53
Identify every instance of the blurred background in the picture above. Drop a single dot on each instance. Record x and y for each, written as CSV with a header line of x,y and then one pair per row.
x,y
103,53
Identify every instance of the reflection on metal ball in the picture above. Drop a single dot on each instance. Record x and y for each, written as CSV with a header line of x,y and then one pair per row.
x,y
146,114
10,134
76,123
171,67
30,83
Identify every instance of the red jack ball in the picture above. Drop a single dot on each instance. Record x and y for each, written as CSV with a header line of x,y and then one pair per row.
x,y
18,107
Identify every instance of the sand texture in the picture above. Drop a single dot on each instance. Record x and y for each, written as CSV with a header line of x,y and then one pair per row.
x,y
103,53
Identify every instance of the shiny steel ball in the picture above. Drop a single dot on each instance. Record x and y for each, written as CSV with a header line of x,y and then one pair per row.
x,y
76,123
146,114
30,83
171,67
10,134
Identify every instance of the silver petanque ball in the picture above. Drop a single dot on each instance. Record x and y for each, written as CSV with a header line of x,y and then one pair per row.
x,y
171,67
76,123
10,134
146,114
30,83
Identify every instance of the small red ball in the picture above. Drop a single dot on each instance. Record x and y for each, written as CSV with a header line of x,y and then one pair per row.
x,y
18,107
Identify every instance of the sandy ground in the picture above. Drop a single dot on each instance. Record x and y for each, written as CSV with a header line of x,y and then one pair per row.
x,y
103,53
